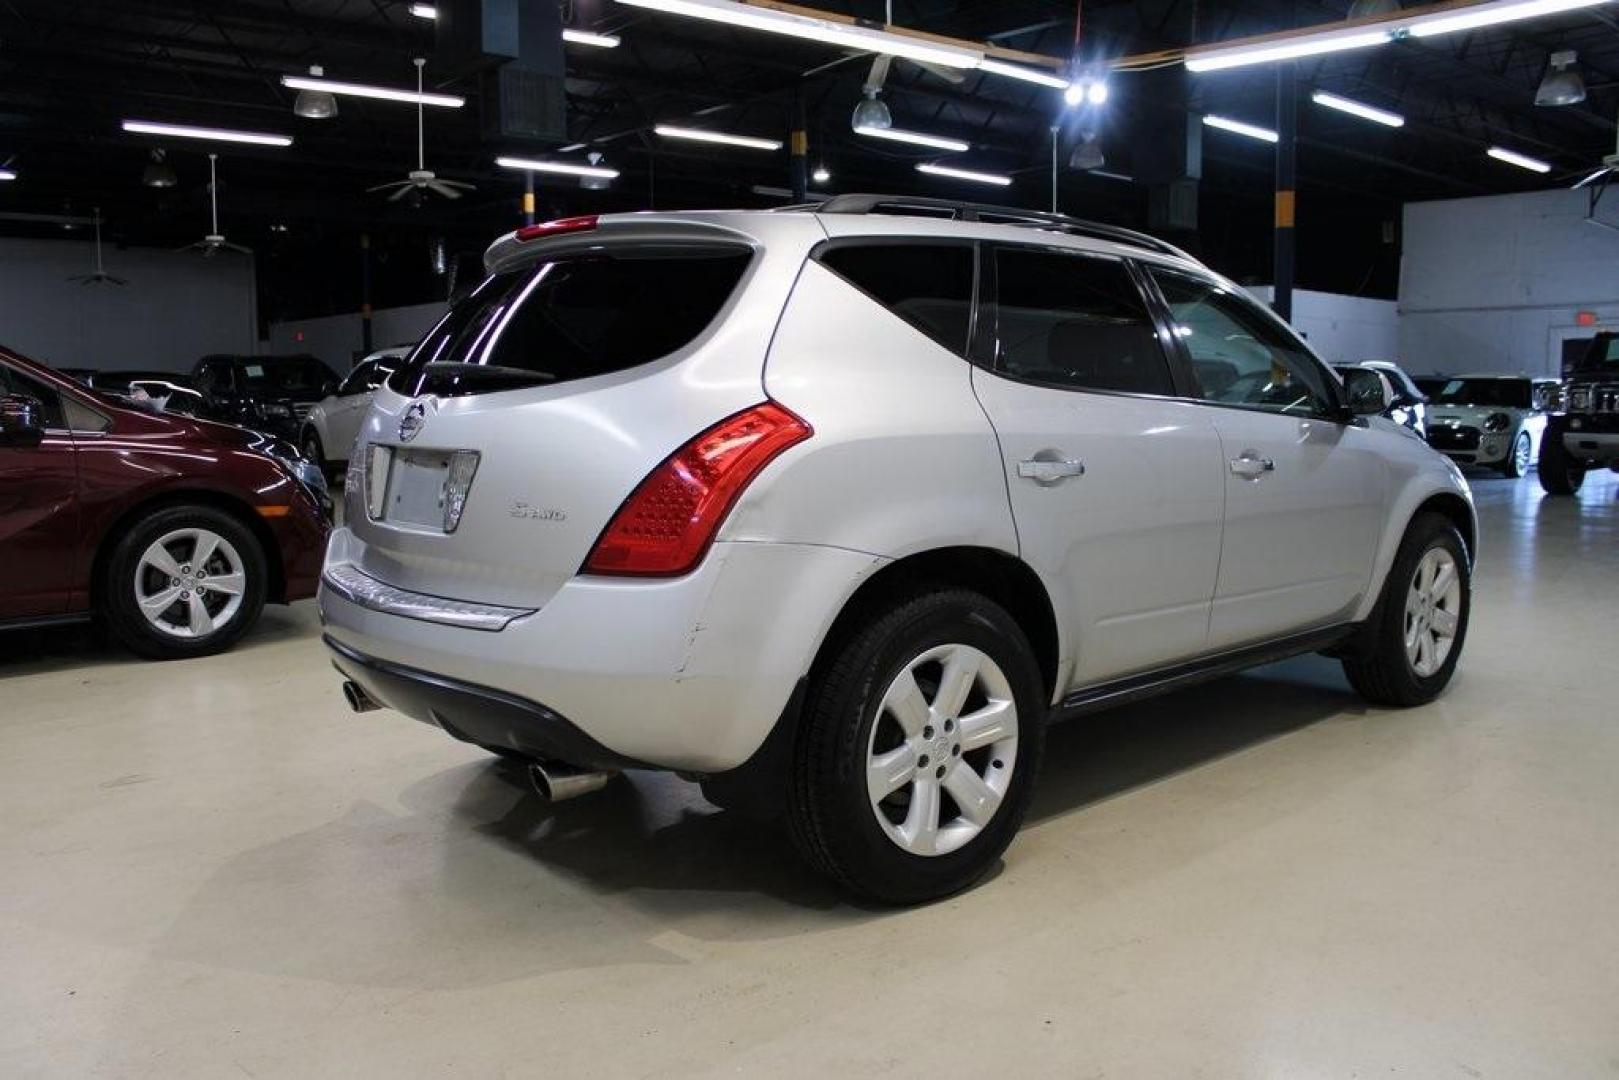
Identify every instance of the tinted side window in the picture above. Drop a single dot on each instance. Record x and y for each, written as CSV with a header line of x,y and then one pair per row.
x,y
573,318
1077,321
50,402
359,380
930,286
1239,355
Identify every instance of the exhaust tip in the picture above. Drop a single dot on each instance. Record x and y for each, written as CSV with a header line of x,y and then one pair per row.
x,y
358,699
556,782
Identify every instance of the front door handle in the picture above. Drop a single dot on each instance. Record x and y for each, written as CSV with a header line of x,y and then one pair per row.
x,y
1049,472
1250,466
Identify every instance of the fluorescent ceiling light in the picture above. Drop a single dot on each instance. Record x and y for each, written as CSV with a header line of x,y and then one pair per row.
x,y
562,168
964,174
1027,74
585,37
187,131
381,93
699,135
1356,108
1253,131
1523,161
1488,14
7,174
826,31
917,138
1264,52
424,11
1111,175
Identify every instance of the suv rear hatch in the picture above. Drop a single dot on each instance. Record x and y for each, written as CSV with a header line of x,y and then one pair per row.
x,y
536,406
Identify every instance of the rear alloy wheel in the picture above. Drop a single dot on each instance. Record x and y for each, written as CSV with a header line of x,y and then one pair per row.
x,y
918,749
1517,463
186,581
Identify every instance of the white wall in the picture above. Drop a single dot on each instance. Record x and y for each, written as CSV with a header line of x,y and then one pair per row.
x,y
176,307
336,339
1342,329
1495,283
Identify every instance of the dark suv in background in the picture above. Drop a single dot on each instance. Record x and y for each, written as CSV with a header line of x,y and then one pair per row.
x,y
265,393
1584,433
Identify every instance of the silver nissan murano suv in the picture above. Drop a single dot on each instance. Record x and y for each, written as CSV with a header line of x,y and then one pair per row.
x,y
832,509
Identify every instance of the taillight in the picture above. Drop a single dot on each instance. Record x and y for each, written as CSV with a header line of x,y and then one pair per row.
x,y
666,525
582,223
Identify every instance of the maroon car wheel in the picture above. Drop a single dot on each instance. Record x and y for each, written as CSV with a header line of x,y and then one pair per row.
x,y
185,581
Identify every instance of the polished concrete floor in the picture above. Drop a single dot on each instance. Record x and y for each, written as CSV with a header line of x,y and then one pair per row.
x,y
211,868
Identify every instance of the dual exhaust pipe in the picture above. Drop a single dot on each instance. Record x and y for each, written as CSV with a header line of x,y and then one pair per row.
x,y
553,780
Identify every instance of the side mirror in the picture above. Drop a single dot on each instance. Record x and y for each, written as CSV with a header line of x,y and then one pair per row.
x,y
21,421
1370,392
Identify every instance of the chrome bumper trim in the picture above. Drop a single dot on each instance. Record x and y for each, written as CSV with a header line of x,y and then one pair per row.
x,y
363,589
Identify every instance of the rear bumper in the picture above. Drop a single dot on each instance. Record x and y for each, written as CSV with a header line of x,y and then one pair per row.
x,y
475,714
687,673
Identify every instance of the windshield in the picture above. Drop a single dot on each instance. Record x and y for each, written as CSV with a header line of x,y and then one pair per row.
x,y
1603,355
1502,393
573,318
297,376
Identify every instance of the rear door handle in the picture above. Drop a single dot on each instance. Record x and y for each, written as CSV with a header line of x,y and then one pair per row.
x,y
1250,466
1049,472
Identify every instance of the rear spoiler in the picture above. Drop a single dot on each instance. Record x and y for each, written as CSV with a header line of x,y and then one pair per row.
x,y
533,242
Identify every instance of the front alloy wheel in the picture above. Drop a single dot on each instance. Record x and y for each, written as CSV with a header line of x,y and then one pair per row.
x,y
942,751
1406,652
184,581
1432,612
189,583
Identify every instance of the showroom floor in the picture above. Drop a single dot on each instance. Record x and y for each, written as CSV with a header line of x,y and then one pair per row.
x,y
213,866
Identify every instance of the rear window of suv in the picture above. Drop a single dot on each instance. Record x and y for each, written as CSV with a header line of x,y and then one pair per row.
x,y
572,318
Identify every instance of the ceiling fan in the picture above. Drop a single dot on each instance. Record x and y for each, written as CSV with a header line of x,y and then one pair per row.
x,y
1596,184
421,180
215,241
100,275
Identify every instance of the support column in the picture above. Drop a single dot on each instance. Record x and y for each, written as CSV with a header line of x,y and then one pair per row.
x,y
1287,130
800,151
528,197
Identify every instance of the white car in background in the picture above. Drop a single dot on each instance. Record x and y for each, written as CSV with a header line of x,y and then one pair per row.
x,y
831,512
1492,420
328,431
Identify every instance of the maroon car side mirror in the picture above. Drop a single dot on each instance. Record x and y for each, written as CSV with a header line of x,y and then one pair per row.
x,y
20,421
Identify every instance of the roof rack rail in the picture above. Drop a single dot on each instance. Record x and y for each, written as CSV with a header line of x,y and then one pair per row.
x,y
997,215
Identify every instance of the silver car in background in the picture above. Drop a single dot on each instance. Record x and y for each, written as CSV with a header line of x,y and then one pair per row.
x,y
328,431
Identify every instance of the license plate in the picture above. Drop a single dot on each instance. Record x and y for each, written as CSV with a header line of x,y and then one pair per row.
x,y
416,492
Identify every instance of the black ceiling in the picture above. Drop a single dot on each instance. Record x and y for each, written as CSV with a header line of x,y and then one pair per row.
x,y
70,70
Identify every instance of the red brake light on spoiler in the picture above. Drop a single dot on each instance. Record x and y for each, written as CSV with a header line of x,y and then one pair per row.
x,y
582,223
668,522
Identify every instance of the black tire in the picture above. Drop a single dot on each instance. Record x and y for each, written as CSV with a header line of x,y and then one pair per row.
x,y
1379,669
830,815
123,614
1561,473
309,445
1509,467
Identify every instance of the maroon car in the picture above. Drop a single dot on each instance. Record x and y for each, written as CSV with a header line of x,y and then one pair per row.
x,y
173,531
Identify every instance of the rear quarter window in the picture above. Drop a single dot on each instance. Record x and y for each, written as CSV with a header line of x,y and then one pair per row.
x,y
929,286
573,318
